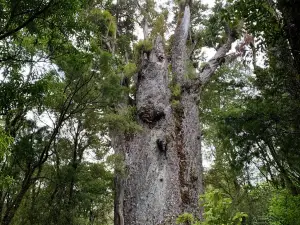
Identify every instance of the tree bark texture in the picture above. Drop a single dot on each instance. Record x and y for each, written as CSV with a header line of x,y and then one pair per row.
x,y
163,162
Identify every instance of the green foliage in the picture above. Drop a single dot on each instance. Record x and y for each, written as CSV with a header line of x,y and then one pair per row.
x,y
259,125
143,46
250,119
60,92
239,218
217,211
130,69
5,141
58,73
123,121
159,27
117,162
249,11
284,208
175,90
186,218
223,101
214,35
191,72
105,21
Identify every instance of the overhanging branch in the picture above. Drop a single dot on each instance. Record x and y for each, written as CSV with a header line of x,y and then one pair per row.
x,y
219,58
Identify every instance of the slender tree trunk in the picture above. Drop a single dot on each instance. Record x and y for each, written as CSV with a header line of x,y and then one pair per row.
x,y
163,163
290,10
13,207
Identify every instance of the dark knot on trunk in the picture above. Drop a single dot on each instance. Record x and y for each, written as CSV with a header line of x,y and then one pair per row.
x,y
150,114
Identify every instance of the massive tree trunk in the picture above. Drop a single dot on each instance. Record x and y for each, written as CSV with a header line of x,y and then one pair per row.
x,y
163,161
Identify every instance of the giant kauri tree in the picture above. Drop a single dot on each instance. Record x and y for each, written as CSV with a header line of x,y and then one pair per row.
x,y
162,161
87,46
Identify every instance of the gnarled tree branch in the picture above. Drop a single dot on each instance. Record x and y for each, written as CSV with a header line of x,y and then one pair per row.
x,y
219,58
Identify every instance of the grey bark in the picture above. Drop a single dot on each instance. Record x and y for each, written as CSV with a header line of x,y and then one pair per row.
x,y
151,195
163,162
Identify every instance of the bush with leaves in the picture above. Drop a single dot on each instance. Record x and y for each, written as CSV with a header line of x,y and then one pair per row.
x,y
218,210
284,208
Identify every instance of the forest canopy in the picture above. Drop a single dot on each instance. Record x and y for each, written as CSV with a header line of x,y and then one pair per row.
x,y
89,87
